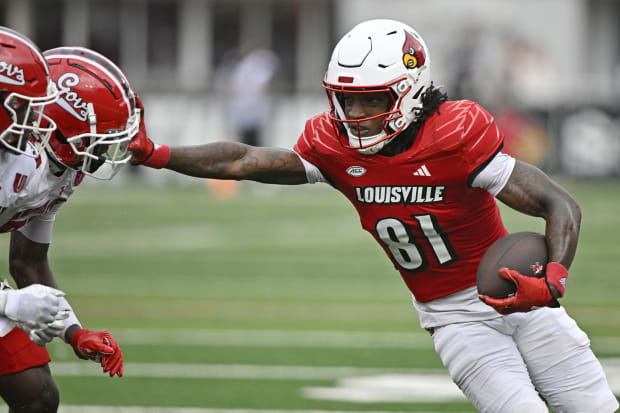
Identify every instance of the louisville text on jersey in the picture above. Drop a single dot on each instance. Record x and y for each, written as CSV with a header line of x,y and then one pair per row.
x,y
400,194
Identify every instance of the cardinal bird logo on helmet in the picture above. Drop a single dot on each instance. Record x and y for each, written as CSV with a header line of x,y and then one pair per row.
x,y
413,52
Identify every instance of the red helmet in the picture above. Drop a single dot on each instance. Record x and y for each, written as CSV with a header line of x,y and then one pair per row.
x,y
96,112
25,88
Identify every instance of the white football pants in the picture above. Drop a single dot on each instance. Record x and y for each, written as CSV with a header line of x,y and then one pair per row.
x,y
503,364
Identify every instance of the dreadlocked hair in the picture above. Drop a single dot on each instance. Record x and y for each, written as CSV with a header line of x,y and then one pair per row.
x,y
431,98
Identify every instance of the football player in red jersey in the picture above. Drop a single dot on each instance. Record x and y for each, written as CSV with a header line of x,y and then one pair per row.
x,y
84,128
422,172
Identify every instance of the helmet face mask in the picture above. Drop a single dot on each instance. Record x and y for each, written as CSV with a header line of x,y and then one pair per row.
x,y
25,89
96,112
373,126
101,155
378,56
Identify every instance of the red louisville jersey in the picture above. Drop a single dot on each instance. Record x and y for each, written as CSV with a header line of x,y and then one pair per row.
x,y
420,205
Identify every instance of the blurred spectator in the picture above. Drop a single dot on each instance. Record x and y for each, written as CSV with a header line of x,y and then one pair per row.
x,y
590,144
466,64
530,81
248,86
243,83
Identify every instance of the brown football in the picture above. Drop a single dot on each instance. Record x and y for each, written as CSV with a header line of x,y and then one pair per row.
x,y
525,252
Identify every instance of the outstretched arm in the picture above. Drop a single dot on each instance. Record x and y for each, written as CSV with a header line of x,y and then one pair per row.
x,y
229,160
219,160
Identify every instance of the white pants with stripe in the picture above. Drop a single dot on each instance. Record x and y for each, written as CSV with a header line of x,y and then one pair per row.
x,y
503,364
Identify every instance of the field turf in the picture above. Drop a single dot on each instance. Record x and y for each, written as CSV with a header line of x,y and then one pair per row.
x,y
254,301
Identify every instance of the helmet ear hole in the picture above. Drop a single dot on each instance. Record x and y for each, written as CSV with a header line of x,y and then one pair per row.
x,y
401,87
61,138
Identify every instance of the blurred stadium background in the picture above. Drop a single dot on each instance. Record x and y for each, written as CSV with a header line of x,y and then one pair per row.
x,y
273,299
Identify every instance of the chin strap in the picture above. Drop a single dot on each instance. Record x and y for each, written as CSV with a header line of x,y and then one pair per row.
x,y
92,118
371,150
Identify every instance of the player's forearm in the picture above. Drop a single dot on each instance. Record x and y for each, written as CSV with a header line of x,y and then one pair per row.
x,y
213,160
563,222
229,160
530,191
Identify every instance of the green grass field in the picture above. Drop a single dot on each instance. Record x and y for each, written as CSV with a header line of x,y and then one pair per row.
x,y
272,300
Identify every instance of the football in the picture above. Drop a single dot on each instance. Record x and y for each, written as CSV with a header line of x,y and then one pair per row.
x,y
525,252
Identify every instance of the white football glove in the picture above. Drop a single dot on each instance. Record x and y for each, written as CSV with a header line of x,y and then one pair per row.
x,y
35,307
47,334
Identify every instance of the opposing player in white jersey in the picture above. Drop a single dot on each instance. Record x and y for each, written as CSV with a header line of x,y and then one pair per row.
x,y
96,117
422,173
25,89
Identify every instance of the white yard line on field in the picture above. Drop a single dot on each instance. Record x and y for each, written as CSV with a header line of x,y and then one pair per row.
x,y
351,379
227,371
273,338
138,409
352,385
297,338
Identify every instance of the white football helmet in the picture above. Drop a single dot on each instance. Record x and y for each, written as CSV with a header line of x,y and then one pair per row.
x,y
378,56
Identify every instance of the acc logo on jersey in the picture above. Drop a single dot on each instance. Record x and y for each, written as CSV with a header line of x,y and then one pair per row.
x,y
413,52
11,75
356,171
69,100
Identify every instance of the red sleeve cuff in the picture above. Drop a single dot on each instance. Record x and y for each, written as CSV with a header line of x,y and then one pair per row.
x,y
159,158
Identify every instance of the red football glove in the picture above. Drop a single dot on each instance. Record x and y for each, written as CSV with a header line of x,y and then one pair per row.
x,y
531,291
144,151
100,347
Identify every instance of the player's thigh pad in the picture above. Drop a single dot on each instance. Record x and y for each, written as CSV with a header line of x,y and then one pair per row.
x,y
487,366
561,363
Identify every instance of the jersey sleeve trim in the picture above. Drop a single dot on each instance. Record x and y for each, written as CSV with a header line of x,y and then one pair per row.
x,y
494,177
40,229
475,172
313,174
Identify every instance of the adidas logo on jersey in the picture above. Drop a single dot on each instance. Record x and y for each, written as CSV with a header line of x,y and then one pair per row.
x,y
422,171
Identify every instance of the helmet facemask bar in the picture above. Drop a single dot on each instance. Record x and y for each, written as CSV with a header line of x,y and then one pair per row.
x,y
29,121
104,153
392,123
